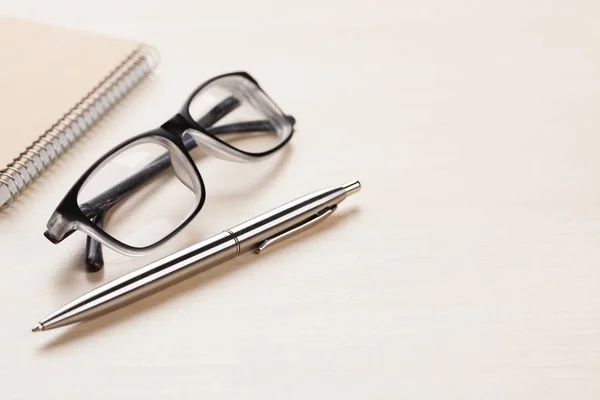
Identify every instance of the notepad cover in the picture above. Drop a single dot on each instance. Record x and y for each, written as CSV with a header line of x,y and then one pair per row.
x,y
45,71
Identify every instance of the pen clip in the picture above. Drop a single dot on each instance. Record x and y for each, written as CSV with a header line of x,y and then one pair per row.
x,y
296,229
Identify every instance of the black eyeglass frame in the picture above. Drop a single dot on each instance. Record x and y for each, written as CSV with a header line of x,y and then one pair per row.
x,y
69,217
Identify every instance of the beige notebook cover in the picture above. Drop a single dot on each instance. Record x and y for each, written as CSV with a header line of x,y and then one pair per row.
x,y
54,84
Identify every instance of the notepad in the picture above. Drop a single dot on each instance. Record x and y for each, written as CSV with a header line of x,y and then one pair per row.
x,y
55,84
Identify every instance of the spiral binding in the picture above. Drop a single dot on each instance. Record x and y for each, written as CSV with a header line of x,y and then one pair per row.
x,y
48,147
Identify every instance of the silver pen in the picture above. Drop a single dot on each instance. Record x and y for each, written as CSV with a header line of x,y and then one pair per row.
x,y
256,234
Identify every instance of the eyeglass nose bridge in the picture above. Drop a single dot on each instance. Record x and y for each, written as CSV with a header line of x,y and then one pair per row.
x,y
176,124
209,145
217,149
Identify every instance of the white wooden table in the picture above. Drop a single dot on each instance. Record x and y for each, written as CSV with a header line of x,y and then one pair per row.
x,y
467,268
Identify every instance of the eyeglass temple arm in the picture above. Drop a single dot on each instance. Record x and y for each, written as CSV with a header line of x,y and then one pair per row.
x,y
246,127
94,259
98,207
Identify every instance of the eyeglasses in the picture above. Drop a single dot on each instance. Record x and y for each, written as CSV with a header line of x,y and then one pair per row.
x,y
144,191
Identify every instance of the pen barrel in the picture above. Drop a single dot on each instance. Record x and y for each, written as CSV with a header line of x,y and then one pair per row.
x,y
147,280
253,232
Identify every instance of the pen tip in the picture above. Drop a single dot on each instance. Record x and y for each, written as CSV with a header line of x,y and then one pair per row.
x,y
351,187
38,328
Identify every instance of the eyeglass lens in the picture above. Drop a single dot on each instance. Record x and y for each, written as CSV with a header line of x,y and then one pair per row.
x,y
253,122
154,209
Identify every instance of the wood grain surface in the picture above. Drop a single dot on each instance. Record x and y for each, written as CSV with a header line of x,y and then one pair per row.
x,y
467,268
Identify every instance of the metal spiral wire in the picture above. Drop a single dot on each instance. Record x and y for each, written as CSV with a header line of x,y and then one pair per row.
x,y
48,147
